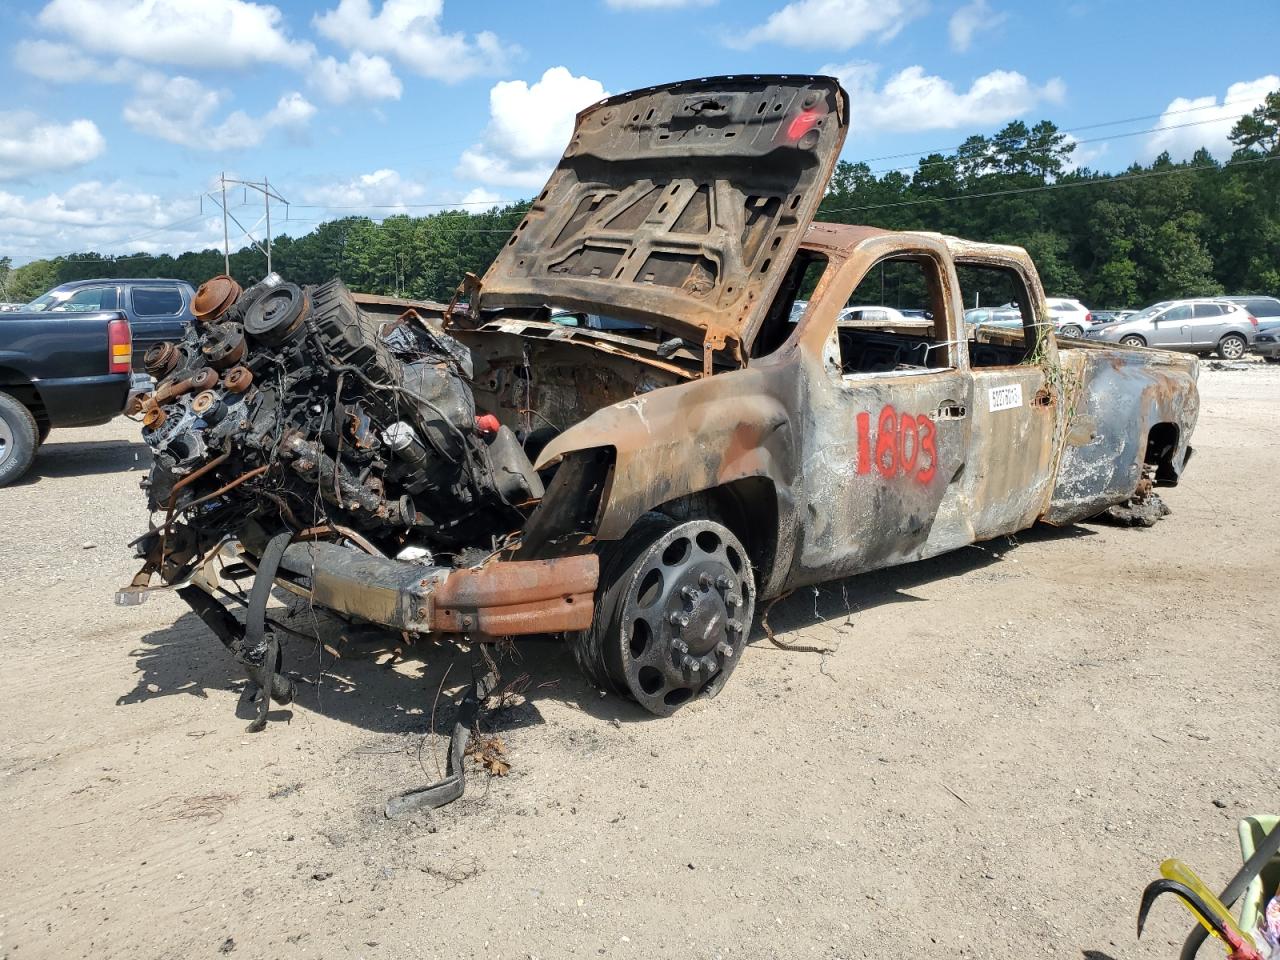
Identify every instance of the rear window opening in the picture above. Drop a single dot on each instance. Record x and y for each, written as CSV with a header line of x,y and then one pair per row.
x,y
1000,328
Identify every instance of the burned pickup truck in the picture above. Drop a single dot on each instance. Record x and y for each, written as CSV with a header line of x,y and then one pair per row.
x,y
627,436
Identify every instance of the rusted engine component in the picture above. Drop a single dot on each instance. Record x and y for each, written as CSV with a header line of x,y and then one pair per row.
x,y
223,345
287,410
214,298
161,360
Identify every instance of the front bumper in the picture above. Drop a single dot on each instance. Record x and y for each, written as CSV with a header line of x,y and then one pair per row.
x,y
499,598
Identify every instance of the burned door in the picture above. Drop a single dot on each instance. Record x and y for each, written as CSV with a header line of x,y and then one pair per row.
x,y
1008,477
889,428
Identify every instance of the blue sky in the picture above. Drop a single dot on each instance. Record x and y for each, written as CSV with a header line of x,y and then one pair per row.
x,y
119,113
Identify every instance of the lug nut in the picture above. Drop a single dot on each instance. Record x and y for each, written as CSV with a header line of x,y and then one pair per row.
x,y
732,600
680,647
690,664
723,582
724,649
735,626
689,593
705,581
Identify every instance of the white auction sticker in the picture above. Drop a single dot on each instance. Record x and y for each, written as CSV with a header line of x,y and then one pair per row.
x,y
1006,397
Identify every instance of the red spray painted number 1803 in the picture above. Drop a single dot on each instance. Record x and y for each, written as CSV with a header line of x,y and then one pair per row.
x,y
901,446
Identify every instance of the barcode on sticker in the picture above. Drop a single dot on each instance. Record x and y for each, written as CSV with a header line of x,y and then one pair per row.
x,y
1006,397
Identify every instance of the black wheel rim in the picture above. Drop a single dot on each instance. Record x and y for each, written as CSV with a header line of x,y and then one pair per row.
x,y
685,618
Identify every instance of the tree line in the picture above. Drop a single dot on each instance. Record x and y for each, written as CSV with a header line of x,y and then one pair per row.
x,y
1166,229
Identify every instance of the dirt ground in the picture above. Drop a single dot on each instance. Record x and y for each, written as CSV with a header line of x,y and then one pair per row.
x,y
1003,746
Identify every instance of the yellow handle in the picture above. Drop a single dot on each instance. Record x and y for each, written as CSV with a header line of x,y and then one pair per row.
x,y
1176,870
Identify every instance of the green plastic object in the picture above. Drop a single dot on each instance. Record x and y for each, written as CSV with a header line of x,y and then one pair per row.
x,y
1267,883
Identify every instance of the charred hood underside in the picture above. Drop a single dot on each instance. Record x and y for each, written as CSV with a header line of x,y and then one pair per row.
x,y
678,206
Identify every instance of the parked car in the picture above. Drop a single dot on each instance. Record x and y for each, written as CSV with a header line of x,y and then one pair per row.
x,y
1267,343
1265,309
1110,316
881,317
1071,317
1003,317
157,310
10,307
59,368
1191,326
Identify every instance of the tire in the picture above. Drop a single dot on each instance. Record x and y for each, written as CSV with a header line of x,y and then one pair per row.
x,y
673,611
1232,347
1071,330
1132,340
1272,359
19,438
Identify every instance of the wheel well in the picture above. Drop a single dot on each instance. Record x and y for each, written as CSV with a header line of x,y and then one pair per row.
x,y
748,507
19,386
1134,336
1232,333
1162,441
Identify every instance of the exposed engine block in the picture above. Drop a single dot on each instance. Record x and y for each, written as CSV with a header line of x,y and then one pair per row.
x,y
289,407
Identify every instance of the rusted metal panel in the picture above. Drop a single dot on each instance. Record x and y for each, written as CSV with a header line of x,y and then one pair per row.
x,y
679,206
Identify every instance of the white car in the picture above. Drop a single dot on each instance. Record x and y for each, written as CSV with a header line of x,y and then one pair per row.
x,y
880,317
1071,318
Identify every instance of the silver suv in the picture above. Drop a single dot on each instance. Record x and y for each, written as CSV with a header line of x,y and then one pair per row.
x,y
1192,326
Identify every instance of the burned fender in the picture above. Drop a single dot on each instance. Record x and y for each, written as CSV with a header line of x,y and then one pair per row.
x,y
682,440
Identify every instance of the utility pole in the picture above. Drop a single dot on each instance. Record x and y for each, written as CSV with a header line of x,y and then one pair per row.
x,y
226,243
267,196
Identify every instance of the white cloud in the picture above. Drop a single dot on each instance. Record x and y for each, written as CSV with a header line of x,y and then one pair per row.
x,y
181,110
1212,120
529,127
362,77
380,189
481,198
63,63
1085,154
194,33
656,4
913,100
410,30
106,217
970,20
832,24
31,145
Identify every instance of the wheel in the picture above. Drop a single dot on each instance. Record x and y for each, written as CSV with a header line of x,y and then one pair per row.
x,y
1231,347
673,611
1133,340
1071,330
18,439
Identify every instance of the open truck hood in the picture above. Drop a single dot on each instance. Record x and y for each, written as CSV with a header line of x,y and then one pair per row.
x,y
678,206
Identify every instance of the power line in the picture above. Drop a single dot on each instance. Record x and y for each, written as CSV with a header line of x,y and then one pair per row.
x,y
1088,126
1060,185
1075,142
